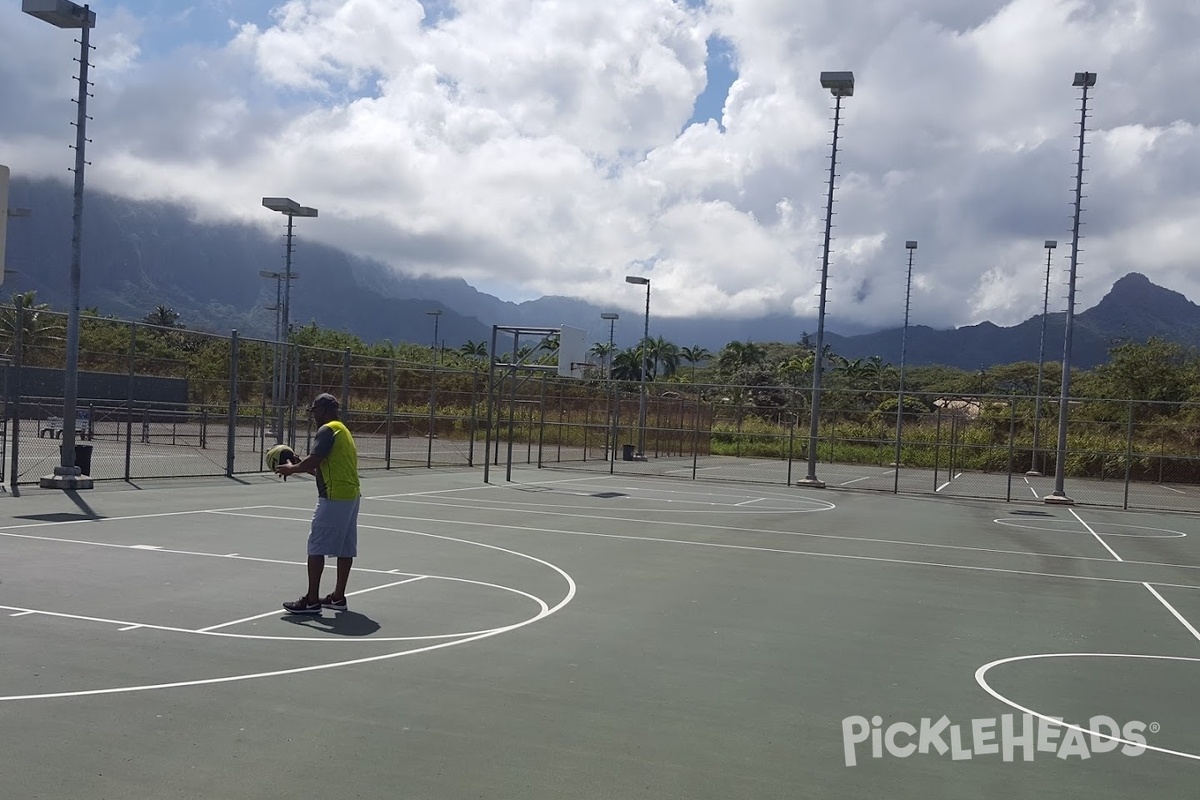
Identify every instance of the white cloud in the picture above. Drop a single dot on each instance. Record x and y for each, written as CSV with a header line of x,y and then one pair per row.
x,y
544,146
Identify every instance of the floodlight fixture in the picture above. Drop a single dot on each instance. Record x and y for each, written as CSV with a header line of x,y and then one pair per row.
x,y
911,244
638,280
60,13
288,206
1084,79
841,84
1051,244
609,315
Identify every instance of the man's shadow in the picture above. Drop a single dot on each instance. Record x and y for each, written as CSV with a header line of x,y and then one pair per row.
x,y
341,623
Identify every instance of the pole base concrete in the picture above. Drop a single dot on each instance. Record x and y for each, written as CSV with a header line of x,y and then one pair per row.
x,y
66,482
1033,473
811,483
1058,500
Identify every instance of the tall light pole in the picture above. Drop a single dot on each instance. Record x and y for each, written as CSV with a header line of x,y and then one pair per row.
x,y
437,315
277,377
612,318
1083,80
641,451
911,246
1034,472
65,14
291,209
840,84
434,357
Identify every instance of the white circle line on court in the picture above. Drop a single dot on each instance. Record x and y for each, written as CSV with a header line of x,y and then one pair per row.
x,y
981,679
305,639
1172,534
570,595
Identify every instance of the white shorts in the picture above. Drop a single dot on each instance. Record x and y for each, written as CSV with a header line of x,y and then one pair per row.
x,y
334,528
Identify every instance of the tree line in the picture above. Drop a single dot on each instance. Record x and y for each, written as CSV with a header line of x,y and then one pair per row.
x,y
1153,373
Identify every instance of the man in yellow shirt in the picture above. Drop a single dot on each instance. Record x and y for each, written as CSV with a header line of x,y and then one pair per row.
x,y
334,463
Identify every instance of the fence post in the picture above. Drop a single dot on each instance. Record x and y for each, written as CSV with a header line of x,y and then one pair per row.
x,y
231,432
473,425
795,415
346,381
1012,439
937,447
129,402
542,423
696,438
18,353
391,400
1128,456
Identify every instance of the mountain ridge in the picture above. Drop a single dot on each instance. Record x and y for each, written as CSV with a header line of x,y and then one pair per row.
x,y
138,255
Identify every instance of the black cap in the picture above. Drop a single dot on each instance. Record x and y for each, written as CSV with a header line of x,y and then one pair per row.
x,y
324,401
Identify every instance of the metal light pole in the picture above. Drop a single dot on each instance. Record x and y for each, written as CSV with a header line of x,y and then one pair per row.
x,y
611,448
435,354
291,209
1084,80
840,84
911,245
65,14
277,370
1034,472
434,357
641,451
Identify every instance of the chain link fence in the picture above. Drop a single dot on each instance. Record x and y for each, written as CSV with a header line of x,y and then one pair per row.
x,y
163,402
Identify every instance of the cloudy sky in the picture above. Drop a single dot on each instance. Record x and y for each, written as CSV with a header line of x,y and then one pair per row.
x,y
539,147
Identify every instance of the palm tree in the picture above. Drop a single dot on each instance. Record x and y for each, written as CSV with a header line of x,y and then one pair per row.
x,y
474,350
603,351
627,364
736,355
663,354
39,327
163,317
694,355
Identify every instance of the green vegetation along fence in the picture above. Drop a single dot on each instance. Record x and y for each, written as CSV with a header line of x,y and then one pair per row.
x,y
162,402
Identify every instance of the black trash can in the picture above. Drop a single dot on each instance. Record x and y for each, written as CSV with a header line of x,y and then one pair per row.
x,y
83,458
627,452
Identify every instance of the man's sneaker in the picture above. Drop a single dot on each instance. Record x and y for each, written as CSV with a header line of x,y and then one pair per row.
x,y
303,606
337,605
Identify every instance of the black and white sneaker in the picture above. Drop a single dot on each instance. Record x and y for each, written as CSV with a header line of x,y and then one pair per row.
x,y
303,606
337,605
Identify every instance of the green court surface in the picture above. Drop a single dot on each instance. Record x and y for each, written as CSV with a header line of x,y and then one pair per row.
x,y
575,635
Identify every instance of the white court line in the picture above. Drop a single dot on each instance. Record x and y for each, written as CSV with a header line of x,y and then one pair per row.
x,y
981,679
130,628
128,625
571,591
947,483
22,613
811,554
276,612
744,502
129,517
856,480
1176,614
1171,488
1093,533
734,529
486,486
1033,491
